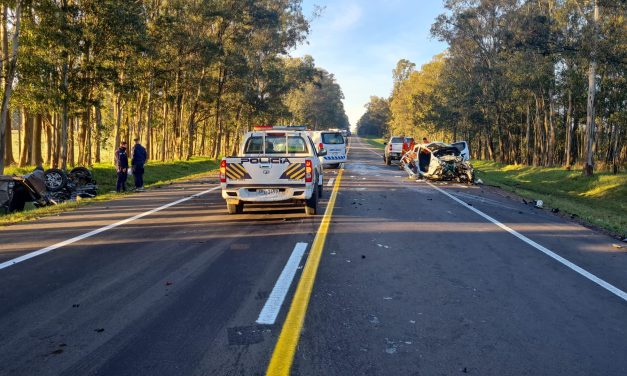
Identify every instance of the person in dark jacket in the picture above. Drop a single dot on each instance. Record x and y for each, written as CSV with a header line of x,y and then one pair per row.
x,y
138,160
121,166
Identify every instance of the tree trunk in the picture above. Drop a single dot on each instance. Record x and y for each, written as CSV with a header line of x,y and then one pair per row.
x,y
64,117
49,139
25,158
8,142
35,157
98,135
71,155
165,127
149,116
588,168
8,71
570,128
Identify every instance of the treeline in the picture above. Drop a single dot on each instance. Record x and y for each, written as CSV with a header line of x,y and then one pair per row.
x,y
188,77
538,82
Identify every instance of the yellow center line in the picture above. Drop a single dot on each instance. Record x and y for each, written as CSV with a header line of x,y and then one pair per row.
x,y
283,355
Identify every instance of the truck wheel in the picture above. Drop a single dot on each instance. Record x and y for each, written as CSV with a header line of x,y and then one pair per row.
x,y
311,204
320,188
235,208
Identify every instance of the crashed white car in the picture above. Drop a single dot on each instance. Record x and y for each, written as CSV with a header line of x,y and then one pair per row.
x,y
440,161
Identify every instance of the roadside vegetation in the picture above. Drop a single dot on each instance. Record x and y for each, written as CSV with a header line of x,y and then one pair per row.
x,y
536,83
600,200
186,77
156,174
377,142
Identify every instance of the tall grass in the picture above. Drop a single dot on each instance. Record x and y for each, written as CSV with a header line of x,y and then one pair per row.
x,y
600,200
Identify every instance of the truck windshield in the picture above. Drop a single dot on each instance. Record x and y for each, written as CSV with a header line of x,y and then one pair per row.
x,y
275,144
332,138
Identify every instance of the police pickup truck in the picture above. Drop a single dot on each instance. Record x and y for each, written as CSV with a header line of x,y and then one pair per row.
x,y
274,164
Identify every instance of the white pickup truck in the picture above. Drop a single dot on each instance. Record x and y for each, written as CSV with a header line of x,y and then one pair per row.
x,y
273,164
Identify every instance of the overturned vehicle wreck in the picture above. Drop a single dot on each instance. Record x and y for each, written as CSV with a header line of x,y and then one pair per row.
x,y
44,188
439,161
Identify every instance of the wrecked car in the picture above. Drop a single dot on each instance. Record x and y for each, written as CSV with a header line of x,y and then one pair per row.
x,y
44,188
440,161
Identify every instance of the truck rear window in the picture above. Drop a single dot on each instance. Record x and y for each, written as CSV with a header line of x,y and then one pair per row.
x,y
396,140
332,138
275,144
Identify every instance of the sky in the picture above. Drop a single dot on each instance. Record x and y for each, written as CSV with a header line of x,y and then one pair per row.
x,y
360,42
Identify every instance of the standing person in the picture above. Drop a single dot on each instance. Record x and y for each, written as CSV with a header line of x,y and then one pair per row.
x,y
121,166
138,160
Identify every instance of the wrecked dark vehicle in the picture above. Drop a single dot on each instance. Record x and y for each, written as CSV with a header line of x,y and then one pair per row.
x,y
440,161
44,188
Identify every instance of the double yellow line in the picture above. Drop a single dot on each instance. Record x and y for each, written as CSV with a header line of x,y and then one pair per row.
x,y
283,355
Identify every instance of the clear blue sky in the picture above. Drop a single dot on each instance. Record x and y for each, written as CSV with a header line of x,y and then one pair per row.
x,y
360,41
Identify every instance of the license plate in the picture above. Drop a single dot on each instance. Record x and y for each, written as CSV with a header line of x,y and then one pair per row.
x,y
268,191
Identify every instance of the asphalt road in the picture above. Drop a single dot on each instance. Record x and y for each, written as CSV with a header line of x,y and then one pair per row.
x,y
410,282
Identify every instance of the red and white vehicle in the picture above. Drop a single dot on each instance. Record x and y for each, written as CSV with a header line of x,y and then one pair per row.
x,y
274,164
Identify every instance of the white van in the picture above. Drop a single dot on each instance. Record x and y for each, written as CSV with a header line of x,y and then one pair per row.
x,y
333,142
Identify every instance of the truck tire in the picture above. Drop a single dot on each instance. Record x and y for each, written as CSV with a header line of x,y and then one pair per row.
x,y
235,208
320,189
311,204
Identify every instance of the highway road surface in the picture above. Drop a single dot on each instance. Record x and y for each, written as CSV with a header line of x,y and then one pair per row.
x,y
394,277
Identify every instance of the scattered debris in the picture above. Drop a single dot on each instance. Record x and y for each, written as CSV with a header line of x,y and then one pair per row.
x,y
412,321
57,352
374,320
348,260
469,204
99,330
555,210
525,201
168,283
519,212
387,298
75,305
617,246
478,181
363,256
539,204
390,350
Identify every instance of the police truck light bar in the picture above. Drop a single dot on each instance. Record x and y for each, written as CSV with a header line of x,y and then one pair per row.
x,y
280,128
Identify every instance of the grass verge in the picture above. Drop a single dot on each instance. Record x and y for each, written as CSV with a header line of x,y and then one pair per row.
x,y
156,173
375,141
600,200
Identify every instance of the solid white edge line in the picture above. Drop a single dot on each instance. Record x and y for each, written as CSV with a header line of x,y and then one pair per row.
x,y
609,287
75,239
330,182
271,309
